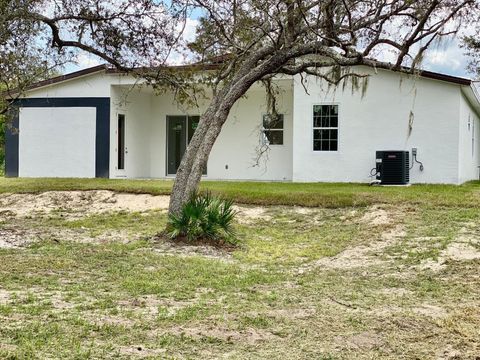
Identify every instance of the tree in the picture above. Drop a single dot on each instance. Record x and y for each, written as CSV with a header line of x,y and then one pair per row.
x,y
472,45
240,42
322,38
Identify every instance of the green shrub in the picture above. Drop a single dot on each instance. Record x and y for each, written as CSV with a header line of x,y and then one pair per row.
x,y
204,217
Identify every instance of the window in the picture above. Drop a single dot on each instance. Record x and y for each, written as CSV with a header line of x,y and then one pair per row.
x,y
273,129
325,127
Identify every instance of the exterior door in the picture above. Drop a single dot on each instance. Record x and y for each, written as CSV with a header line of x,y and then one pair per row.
x,y
122,150
176,142
180,130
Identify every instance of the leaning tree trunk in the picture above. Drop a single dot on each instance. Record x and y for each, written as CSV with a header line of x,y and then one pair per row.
x,y
198,150
195,158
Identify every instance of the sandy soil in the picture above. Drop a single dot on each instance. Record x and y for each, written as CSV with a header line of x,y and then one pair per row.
x,y
79,203
73,205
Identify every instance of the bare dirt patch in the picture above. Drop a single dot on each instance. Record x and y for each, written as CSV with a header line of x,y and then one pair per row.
x,y
463,248
76,204
149,305
250,336
79,203
292,314
432,311
250,214
140,351
387,220
13,238
363,255
16,209
460,251
377,216
363,341
4,297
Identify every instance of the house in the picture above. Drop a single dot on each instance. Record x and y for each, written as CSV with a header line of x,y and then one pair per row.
x,y
98,123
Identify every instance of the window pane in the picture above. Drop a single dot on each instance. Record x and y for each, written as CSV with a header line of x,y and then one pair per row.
x,y
333,134
325,121
317,110
325,145
326,110
274,137
270,122
334,121
316,145
333,145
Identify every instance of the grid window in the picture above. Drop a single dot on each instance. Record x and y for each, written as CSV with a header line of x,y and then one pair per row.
x,y
273,129
325,127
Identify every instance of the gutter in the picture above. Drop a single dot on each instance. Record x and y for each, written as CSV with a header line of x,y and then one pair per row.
x,y
476,93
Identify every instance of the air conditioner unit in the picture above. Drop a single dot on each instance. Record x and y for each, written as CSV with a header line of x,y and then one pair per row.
x,y
393,167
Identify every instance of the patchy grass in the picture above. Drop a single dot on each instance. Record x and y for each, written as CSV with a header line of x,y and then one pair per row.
x,y
382,281
329,195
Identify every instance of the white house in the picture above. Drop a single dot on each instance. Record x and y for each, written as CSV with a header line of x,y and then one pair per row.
x,y
97,123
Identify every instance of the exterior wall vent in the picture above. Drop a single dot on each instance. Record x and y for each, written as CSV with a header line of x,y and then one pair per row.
x,y
393,167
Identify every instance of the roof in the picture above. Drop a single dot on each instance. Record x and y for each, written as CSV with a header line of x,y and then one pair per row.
x,y
444,77
212,66
69,76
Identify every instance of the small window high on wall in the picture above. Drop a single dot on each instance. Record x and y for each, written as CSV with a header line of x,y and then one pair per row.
x,y
325,127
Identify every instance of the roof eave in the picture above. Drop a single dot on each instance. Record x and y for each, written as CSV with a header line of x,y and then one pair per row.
x,y
57,79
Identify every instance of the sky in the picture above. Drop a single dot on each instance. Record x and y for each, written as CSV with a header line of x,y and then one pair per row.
x,y
447,58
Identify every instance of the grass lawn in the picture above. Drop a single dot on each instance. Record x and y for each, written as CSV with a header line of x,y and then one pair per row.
x,y
330,195
352,272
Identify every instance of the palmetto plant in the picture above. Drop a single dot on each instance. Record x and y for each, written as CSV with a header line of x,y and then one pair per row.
x,y
204,216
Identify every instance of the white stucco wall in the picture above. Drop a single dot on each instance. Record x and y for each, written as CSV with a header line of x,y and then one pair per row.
x,y
380,121
235,148
57,142
237,145
136,106
469,134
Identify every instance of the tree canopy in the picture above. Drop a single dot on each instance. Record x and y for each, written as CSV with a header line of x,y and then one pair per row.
x,y
472,45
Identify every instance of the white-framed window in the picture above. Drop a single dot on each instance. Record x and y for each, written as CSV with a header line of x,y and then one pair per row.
x,y
325,127
272,129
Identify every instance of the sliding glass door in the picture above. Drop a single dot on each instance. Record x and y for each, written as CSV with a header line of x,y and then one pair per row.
x,y
180,131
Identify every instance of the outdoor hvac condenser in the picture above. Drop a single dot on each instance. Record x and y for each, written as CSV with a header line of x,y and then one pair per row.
x,y
393,167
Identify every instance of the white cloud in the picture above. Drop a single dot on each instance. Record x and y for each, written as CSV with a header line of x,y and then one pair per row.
x,y
189,32
448,58
85,60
